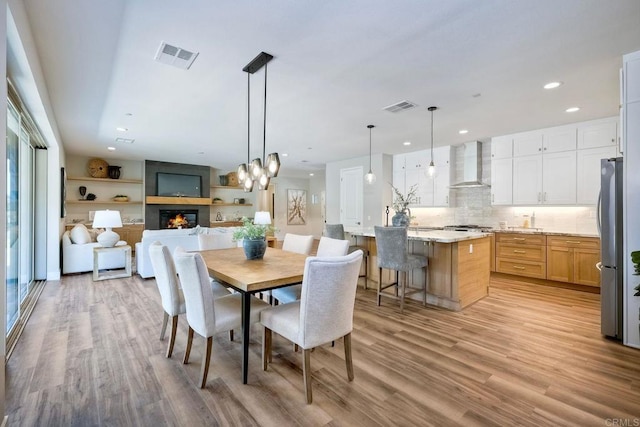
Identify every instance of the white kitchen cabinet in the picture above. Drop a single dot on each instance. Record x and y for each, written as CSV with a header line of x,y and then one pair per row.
x,y
597,133
502,147
559,178
588,173
527,180
527,143
548,179
560,138
442,178
502,181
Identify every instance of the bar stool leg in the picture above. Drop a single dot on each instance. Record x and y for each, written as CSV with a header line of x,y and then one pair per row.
x,y
379,284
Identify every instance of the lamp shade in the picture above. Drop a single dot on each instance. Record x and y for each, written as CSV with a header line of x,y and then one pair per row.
x,y
262,218
107,219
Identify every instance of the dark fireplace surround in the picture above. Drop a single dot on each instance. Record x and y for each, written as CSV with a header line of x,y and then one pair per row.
x,y
152,211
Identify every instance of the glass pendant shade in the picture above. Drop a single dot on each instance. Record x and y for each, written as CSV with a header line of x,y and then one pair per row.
x,y
247,185
242,173
273,165
432,169
256,168
370,178
263,182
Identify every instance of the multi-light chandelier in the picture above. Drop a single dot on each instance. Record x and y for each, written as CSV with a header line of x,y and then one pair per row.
x,y
251,172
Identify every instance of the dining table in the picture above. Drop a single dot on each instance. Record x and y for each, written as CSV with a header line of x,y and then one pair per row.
x,y
276,269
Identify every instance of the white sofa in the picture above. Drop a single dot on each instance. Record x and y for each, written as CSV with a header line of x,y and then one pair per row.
x,y
78,258
186,238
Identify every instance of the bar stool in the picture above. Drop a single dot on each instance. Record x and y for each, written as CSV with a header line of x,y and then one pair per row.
x,y
392,246
336,231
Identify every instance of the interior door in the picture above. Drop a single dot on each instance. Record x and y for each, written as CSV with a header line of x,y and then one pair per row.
x,y
351,180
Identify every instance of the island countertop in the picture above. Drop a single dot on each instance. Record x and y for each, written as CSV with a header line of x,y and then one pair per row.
x,y
439,236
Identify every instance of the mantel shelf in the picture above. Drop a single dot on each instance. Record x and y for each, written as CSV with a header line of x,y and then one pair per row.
x,y
162,200
231,204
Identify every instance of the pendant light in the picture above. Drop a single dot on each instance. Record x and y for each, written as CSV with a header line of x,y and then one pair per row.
x,y
432,167
370,178
260,170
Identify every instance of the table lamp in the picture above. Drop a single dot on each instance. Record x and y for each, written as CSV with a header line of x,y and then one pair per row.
x,y
262,218
107,219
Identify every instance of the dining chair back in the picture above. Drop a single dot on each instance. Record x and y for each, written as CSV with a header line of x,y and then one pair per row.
x,y
334,231
297,243
323,314
392,247
332,247
206,314
168,287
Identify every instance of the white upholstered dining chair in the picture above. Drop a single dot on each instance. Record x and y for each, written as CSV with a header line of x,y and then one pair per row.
x,y
323,314
326,247
206,315
292,243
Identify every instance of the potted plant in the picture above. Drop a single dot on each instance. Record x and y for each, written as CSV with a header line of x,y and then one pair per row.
x,y
401,206
253,238
635,259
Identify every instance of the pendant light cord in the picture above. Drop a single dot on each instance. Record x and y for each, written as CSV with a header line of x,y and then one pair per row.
x,y
431,136
370,148
248,117
264,123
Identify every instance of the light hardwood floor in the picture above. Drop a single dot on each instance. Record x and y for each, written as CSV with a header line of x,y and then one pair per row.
x,y
526,355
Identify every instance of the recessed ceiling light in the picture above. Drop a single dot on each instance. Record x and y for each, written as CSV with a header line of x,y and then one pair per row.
x,y
310,174
572,109
406,143
552,85
200,152
111,148
285,155
128,114
463,131
121,129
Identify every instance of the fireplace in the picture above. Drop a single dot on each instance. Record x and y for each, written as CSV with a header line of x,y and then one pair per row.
x,y
178,218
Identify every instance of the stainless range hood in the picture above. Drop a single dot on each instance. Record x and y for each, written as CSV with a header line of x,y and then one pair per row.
x,y
472,159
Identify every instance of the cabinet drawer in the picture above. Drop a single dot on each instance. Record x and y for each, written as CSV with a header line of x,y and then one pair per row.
x,y
574,242
521,252
521,268
521,238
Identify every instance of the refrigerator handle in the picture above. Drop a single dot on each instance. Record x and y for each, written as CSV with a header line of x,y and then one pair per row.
x,y
598,208
599,266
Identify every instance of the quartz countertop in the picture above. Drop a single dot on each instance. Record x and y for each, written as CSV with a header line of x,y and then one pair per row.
x,y
547,232
439,236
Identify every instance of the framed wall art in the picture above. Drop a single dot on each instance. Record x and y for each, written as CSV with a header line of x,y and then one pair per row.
x,y
296,207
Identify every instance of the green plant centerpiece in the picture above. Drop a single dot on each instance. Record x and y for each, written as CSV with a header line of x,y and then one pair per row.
x,y
401,204
635,259
253,238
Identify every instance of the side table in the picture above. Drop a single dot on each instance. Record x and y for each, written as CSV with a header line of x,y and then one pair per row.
x,y
111,274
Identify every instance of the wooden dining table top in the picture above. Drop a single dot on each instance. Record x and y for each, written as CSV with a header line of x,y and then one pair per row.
x,y
277,268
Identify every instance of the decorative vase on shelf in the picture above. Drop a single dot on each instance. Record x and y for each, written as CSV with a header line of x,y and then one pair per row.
x,y
400,219
114,172
254,248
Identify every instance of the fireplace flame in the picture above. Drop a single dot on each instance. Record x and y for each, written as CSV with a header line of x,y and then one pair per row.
x,y
178,221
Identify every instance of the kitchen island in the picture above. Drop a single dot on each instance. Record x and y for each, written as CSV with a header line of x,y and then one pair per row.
x,y
459,264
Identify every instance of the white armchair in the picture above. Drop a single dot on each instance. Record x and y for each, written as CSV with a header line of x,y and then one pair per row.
x,y
77,252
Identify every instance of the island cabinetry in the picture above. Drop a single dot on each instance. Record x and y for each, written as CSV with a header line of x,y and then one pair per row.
x,y
573,259
521,254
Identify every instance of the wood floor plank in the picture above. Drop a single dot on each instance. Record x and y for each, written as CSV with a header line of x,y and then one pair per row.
x,y
528,355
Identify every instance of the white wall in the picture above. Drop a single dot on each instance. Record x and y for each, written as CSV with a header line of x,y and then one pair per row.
x,y
375,197
313,224
631,136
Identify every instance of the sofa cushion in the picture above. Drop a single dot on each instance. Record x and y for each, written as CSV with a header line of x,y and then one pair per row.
x,y
94,233
79,235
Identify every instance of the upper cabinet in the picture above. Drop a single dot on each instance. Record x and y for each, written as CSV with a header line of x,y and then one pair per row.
x,y
598,133
527,143
410,169
502,147
558,139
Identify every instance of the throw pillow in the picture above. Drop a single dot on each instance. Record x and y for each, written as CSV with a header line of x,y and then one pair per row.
x,y
94,232
79,235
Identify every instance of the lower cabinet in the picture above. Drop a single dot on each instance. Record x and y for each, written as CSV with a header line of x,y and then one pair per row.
x,y
573,259
521,254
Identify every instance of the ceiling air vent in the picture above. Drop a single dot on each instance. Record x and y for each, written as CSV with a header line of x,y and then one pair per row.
x,y
176,56
124,140
400,106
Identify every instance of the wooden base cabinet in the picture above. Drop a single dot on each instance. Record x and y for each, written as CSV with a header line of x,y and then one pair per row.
x,y
573,259
521,254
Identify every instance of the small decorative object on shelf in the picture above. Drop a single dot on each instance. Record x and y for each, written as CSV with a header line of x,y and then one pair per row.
x,y
232,179
114,172
91,196
120,198
98,168
224,181
83,190
217,201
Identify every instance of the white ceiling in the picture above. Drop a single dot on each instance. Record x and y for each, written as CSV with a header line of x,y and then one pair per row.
x,y
337,64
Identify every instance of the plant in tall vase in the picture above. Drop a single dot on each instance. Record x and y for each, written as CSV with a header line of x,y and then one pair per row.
x,y
635,259
253,238
401,204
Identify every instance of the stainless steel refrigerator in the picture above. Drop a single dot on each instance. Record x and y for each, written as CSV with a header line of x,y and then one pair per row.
x,y
611,265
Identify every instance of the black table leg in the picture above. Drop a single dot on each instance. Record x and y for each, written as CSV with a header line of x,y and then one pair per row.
x,y
246,326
